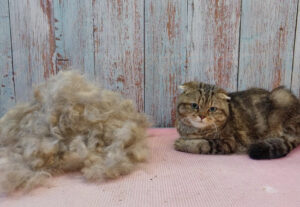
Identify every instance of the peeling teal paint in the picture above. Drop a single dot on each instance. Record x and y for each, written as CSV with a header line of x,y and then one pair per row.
x,y
145,48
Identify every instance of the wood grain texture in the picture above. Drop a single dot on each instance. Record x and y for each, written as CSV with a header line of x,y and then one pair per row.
x,y
295,86
7,96
213,42
4,8
165,53
119,49
73,22
33,44
146,48
266,45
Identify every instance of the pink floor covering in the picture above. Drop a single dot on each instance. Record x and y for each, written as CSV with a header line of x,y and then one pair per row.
x,y
172,178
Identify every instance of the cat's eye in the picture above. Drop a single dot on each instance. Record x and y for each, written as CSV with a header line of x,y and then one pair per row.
x,y
212,109
195,106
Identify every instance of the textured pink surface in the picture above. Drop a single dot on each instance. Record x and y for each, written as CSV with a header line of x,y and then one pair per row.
x,y
172,178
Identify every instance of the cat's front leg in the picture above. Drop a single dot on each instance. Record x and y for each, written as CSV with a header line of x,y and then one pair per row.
x,y
222,146
205,146
196,146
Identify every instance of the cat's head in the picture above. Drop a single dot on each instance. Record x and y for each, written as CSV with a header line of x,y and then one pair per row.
x,y
202,105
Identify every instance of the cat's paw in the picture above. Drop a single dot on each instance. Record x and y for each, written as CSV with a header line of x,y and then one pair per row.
x,y
204,147
196,146
180,145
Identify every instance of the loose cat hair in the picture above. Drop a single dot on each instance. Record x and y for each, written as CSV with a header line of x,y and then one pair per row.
x,y
264,124
70,125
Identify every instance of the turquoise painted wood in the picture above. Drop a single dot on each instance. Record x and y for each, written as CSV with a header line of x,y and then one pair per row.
x,y
184,42
73,23
7,95
267,42
295,86
146,48
4,8
213,42
119,47
32,44
165,57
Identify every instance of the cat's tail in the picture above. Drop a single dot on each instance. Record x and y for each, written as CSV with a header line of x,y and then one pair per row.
x,y
283,98
271,148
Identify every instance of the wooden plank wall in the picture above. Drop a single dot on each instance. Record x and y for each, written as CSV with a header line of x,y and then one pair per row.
x,y
7,89
33,44
73,32
165,57
146,48
295,85
119,47
267,42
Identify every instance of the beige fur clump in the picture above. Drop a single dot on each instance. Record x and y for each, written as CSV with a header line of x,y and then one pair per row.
x,y
70,125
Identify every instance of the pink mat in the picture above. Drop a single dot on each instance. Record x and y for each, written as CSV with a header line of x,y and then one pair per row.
x,y
172,178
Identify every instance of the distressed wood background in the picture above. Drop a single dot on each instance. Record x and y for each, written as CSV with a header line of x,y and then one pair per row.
x,y
146,48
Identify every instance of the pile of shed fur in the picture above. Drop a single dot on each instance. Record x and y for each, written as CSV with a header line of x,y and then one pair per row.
x,y
70,125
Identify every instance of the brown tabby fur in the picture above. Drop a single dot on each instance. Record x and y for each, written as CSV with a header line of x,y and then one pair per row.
x,y
264,124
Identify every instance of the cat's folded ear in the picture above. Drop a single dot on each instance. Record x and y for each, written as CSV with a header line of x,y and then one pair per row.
x,y
222,94
188,86
181,87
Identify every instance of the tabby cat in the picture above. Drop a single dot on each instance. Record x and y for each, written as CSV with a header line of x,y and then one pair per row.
x,y
211,121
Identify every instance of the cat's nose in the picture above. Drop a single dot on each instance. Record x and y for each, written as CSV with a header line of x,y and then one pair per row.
x,y
202,116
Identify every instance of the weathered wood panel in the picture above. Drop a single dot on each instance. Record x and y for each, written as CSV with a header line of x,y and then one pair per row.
x,y
7,96
184,42
165,53
295,86
33,44
145,49
4,8
213,42
266,45
73,22
119,49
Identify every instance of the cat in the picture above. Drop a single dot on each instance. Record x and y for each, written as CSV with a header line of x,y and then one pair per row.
x,y
70,125
264,124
